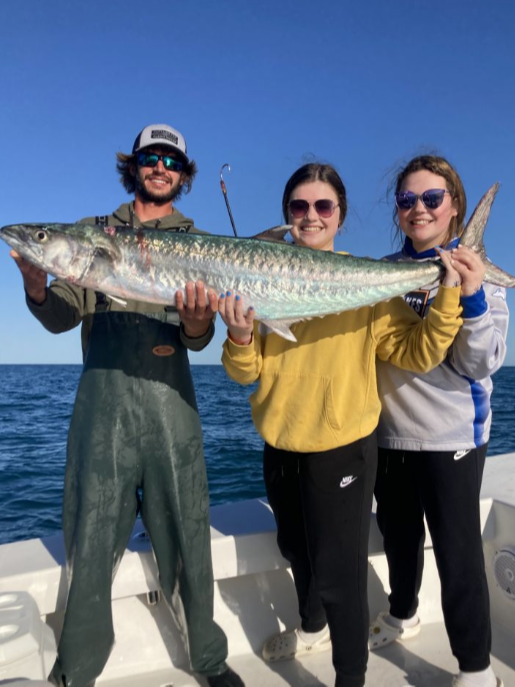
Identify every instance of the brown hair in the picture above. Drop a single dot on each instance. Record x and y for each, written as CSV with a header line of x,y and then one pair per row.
x,y
127,179
442,168
315,171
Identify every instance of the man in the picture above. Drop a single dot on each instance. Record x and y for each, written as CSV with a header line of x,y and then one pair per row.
x,y
135,430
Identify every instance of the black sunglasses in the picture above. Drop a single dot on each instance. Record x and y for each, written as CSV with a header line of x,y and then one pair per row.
x,y
431,199
300,208
151,160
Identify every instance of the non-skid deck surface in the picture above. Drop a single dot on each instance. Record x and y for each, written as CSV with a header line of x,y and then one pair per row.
x,y
425,661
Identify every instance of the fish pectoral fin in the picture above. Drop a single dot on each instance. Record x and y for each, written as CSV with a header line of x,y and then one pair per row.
x,y
276,234
117,300
279,327
109,252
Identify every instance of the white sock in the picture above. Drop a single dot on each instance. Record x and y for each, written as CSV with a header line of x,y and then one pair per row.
x,y
483,678
398,622
312,637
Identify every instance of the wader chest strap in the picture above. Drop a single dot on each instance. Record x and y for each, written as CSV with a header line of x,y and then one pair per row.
x,y
101,302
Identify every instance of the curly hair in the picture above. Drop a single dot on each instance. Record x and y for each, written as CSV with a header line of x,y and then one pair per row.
x,y
126,163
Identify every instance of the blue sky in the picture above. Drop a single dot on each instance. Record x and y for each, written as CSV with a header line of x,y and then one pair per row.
x,y
263,85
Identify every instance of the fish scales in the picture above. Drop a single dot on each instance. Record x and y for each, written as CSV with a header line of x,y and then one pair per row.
x,y
278,280
283,282
271,276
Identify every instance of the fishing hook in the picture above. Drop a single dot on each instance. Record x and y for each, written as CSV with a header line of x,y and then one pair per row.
x,y
224,191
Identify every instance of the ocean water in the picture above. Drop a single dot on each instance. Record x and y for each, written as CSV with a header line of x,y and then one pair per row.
x,y
36,403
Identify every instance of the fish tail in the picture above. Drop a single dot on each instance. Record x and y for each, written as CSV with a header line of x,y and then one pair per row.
x,y
473,238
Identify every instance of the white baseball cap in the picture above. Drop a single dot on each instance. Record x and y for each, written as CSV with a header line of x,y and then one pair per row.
x,y
161,135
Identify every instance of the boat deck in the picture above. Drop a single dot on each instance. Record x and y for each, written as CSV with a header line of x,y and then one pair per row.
x,y
254,598
424,661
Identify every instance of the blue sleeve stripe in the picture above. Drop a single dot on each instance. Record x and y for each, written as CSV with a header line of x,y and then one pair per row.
x,y
481,401
475,305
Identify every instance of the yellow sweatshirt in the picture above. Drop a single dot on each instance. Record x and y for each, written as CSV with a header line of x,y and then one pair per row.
x,y
320,392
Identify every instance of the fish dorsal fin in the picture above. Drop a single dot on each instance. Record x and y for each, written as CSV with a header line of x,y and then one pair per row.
x,y
276,234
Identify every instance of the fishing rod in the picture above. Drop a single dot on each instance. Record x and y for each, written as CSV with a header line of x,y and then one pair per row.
x,y
226,198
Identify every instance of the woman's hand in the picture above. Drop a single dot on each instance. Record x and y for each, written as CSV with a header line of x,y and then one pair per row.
x,y
34,279
239,324
198,310
452,277
470,268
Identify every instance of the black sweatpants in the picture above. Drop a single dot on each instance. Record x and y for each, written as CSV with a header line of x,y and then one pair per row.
x,y
322,504
445,487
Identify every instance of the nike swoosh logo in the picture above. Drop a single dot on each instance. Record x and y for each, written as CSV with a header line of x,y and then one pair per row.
x,y
461,454
346,481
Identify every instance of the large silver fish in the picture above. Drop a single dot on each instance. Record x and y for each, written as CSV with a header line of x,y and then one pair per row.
x,y
284,283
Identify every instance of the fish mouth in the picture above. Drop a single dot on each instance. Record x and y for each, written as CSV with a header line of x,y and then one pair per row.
x,y
14,235
9,230
21,239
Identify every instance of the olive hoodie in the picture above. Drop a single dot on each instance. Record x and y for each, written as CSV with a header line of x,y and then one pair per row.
x,y
66,305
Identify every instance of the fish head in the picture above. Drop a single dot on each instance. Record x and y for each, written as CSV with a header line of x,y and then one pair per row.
x,y
65,251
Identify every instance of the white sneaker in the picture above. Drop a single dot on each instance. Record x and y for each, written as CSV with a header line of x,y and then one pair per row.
x,y
456,682
289,644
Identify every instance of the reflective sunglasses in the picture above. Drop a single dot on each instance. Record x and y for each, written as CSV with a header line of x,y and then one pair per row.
x,y
431,199
151,160
300,208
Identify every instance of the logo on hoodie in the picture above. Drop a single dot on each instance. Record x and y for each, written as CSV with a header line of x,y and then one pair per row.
x,y
418,300
499,293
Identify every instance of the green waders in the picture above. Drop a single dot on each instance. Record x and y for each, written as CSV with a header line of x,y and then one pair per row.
x,y
135,425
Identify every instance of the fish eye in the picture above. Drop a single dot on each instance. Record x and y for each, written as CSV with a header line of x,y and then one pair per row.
x,y
41,235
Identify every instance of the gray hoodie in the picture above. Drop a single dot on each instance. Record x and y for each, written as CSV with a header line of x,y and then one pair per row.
x,y
447,409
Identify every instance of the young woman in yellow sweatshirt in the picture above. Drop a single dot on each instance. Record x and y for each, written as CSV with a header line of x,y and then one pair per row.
x,y
317,408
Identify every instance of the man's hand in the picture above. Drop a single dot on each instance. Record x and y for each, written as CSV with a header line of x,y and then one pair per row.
x,y
34,279
197,310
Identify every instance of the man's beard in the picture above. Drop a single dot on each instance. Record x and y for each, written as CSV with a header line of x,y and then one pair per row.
x,y
157,198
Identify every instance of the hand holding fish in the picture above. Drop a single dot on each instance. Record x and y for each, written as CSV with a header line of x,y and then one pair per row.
x,y
198,310
34,279
239,324
470,268
452,277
